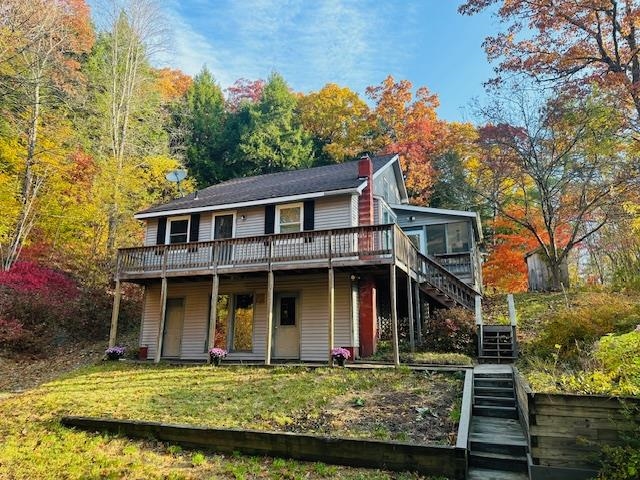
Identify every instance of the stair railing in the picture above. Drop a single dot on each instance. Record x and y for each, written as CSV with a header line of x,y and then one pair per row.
x,y
479,324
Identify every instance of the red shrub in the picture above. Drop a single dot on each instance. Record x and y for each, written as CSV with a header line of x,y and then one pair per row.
x,y
450,330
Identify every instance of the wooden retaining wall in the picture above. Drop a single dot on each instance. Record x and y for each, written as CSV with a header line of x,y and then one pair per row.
x,y
566,431
431,460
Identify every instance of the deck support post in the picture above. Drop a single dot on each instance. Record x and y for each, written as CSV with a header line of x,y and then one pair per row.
x,y
332,313
113,333
412,333
213,312
394,314
267,352
163,314
418,312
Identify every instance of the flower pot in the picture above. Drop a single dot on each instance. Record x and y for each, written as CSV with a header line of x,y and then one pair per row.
x,y
341,361
143,352
216,361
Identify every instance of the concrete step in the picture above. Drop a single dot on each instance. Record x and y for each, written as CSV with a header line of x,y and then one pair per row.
x,y
494,392
498,461
476,473
496,401
495,411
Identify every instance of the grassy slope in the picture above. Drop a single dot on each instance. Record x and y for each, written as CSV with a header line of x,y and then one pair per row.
x,y
33,445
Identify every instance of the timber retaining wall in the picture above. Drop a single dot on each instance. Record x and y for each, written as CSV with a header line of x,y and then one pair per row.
x,y
432,460
565,432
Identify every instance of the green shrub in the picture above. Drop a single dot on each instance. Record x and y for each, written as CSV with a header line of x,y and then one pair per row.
x,y
622,462
577,327
451,330
619,356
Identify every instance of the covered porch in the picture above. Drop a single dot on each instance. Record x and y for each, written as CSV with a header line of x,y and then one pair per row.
x,y
332,274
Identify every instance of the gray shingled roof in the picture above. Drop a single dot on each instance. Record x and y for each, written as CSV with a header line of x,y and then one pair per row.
x,y
283,184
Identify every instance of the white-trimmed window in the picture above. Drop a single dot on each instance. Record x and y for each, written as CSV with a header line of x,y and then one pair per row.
x,y
289,218
178,229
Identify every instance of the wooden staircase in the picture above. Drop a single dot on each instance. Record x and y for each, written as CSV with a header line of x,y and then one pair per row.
x,y
443,286
497,444
498,344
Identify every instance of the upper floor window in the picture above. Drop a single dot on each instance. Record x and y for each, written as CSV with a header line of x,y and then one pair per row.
x,y
289,218
178,231
448,238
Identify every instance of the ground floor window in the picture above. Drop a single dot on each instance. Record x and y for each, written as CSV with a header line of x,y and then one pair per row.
x,y
234,322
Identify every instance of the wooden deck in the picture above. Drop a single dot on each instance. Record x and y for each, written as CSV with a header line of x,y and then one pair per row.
x,y
346,247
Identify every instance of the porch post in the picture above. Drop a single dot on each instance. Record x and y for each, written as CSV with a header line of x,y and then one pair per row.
x,y
163,312
332,313
412,334
114,315
418,311
267,353
213,311
394,314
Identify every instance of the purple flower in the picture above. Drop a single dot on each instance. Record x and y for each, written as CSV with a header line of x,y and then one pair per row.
x,y
217,353
339,352
114,353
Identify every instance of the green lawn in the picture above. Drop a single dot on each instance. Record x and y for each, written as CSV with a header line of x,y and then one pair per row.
x,y
340,402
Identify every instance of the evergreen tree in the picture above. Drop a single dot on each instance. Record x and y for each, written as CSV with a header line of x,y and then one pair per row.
x,y
206,118
273,138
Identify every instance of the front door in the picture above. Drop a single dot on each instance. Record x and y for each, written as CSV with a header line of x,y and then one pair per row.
x,y
286,341
173,323
223,229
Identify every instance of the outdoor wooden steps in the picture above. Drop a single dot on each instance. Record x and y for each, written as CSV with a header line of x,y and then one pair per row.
x,y
498,344
497,444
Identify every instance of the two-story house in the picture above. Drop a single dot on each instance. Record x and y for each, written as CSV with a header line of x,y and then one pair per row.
x,y
288,265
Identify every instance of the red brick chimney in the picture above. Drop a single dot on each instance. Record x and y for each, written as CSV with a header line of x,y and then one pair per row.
x,y
367,286
365,203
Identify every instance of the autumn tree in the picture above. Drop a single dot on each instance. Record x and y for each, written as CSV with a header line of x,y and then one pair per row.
x,y
576,43
130,134
244,91
407,124
40,44
559,161
339,122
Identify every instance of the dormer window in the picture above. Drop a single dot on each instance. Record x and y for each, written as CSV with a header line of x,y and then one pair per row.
x,y
178,231
289,218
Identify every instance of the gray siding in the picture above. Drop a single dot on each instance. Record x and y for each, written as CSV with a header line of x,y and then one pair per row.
x,y
313,292
385,185
151,231
355,212
253,223
333,212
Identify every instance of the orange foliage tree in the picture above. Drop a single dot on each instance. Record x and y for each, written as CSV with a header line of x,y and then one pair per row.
x,y
575,42
408,125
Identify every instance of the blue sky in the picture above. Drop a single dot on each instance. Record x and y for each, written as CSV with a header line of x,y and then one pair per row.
x,y
354,43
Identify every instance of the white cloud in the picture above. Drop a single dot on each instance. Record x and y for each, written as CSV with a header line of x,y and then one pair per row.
x,y
349,42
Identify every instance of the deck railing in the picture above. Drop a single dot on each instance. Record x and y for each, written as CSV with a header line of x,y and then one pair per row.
x,y
367,242
372,243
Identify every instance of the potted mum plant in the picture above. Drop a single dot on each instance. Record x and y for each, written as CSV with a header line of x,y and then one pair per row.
x,y
216,355
114,353
340,355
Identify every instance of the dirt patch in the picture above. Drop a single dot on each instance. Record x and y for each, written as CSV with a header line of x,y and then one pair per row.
x,y
17,374
423,412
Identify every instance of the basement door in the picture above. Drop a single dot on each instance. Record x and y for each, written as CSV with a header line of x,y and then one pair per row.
x,y
286,334
173,323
